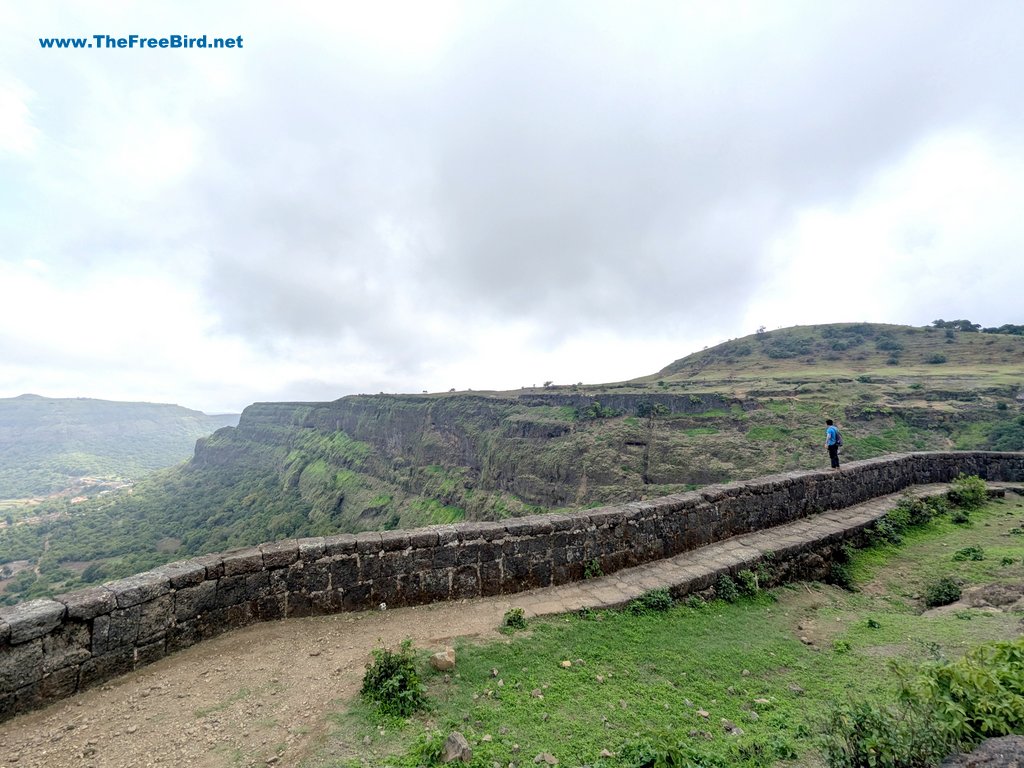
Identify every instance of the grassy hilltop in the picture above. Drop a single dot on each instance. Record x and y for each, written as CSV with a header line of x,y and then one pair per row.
x,y
748,407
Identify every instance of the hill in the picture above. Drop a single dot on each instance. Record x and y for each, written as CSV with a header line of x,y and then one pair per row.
x,y
749,407
48,445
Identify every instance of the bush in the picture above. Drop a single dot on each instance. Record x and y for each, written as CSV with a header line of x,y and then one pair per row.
x,y
747,583
592,569
725,589
515,618
655,601
392,683
885,531
978,696
968,492
969,553
941,592
863,735
936,359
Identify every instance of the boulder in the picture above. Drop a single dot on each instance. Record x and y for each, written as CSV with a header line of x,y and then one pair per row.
x,y
443,661
456,748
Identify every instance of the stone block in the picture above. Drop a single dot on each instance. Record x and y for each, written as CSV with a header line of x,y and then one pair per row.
x,y
339,544
182,636
186,573
311,549
390,541
309,576
446,556
243,561
99,669
279,554
155,617
192,601
59,684
123,629
139,588
356,598
387,591
344,572
85,604
465,582
468,553
368,542
20,665
423,539
436,585
69,645
33,619
150,652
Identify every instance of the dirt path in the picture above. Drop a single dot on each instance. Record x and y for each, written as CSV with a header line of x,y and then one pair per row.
x,y
254,697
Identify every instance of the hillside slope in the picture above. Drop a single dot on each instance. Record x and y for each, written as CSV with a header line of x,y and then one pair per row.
x,y
47,444
749,407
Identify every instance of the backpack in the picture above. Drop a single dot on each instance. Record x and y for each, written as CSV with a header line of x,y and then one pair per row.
x,y
839,439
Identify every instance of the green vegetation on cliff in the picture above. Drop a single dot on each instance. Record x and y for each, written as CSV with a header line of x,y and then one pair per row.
x,y
745,408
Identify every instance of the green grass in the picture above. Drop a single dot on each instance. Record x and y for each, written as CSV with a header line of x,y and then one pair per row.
x,y
643,679
768,433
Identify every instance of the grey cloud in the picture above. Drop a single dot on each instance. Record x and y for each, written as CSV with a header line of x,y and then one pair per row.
x,y
546,169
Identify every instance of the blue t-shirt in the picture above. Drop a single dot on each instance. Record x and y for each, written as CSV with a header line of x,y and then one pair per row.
x,y
830,435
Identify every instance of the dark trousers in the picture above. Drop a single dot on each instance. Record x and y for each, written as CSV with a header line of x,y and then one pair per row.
x,y
833,454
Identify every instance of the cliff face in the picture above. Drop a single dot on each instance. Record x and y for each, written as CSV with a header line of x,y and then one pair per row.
x,y
489,456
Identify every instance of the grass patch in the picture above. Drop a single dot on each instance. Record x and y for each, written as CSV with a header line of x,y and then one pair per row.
x,y
768,433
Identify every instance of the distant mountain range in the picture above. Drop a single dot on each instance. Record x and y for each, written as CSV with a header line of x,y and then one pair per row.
x,y
47,445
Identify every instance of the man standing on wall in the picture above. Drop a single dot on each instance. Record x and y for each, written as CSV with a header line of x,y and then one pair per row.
x,y
832,442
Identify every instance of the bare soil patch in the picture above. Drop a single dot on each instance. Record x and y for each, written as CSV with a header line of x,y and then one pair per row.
x,y
253,697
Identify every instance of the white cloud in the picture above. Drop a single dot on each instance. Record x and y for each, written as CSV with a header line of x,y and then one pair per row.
x,y
935,235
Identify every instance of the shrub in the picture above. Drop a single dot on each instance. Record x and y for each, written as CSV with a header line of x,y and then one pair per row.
x,y
746,583
936,359
884,532
969,553
863,734
841,575
841,569
592,569
655,601
515,618
695,601
968,492
938,505
392,683
978,696
725,589
960,517
941,592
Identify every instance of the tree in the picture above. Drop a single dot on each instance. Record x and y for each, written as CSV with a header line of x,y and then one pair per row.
x,y
958,325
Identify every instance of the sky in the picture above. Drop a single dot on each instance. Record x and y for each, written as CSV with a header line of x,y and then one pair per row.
x,y
407,196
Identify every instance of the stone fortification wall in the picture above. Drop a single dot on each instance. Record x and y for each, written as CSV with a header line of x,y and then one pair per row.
x,y
51,648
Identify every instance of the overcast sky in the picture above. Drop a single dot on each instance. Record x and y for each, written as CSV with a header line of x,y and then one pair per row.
x,y
378,196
